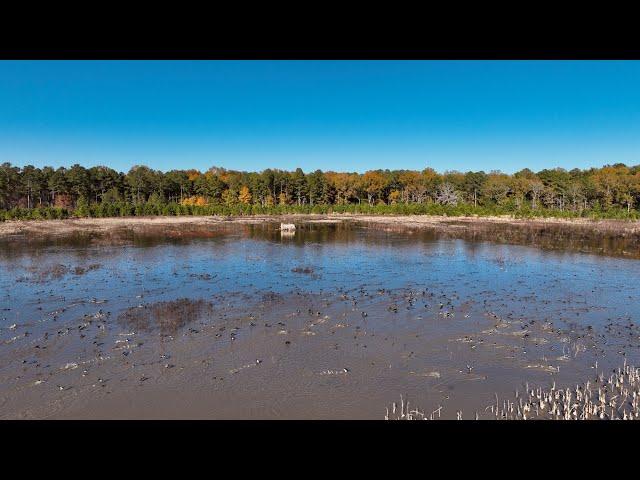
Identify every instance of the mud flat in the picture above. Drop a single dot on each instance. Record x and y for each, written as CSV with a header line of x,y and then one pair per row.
x,y
338,355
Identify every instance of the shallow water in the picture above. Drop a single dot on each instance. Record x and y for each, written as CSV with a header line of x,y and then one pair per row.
x,y
368,314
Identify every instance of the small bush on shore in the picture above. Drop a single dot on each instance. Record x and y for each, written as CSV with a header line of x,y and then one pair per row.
x,y
40,213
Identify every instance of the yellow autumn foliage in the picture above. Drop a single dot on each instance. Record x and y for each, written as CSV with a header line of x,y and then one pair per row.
x,y
245,195
195,200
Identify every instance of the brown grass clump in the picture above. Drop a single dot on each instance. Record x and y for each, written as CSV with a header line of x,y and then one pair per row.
x,y
305,270
46,273
166,317
82,270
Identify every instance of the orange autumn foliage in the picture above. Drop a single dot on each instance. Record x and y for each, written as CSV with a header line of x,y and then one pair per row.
x,y
195,200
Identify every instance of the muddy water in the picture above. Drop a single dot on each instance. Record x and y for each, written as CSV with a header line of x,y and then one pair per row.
x,y
336,321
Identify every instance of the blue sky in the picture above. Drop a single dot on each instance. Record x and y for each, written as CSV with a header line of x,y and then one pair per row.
x,y
332,115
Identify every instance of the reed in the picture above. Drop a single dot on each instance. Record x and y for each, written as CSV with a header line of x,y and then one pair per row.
x,y
612,397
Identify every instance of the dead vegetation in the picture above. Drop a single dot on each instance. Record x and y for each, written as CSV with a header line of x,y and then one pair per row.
x,y
96,225
82,270
45,273
166,317
612,397
305,270
51,272
402,411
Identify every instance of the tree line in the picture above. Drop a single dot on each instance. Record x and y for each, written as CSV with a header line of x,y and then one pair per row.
x,y
30,192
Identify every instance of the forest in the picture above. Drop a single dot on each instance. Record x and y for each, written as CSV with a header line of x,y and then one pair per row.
x,y
612,191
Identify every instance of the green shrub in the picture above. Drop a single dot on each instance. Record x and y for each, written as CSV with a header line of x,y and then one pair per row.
x,y
126,209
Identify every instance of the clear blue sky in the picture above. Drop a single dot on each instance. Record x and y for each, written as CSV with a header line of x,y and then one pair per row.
x,y
333,115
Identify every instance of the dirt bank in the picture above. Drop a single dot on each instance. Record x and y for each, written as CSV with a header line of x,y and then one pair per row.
x,y
430,220
62,227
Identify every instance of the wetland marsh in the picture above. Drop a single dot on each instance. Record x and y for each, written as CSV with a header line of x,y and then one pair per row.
x,y
234,320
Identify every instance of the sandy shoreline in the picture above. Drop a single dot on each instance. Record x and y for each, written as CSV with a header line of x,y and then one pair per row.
x,y
62,227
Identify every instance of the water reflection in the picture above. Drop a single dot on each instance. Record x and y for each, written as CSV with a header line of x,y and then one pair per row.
x,y
551,237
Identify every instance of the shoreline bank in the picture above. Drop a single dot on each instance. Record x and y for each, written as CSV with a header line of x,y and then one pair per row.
x,y
67,226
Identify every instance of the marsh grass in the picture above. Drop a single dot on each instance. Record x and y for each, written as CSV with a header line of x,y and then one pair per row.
x,y
612,397
403,411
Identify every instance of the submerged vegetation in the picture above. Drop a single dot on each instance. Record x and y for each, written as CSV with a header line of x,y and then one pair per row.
x,y
612,191
167,317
